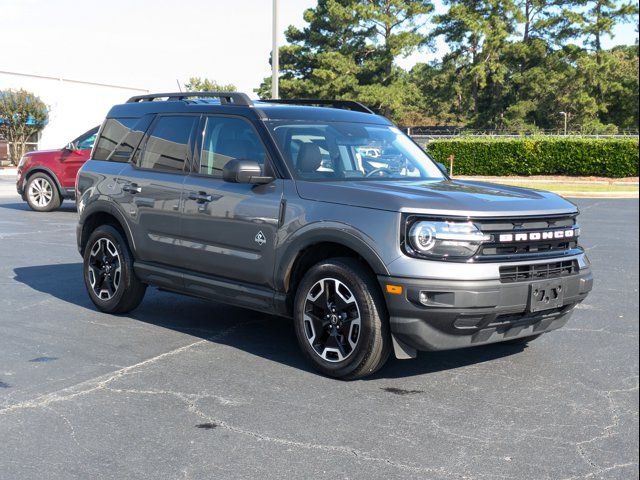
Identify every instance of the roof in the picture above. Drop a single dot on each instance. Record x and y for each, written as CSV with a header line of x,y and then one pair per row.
x,y
238,103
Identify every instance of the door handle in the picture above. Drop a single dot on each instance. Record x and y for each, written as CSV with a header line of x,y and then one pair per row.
x,y
131,188
200,197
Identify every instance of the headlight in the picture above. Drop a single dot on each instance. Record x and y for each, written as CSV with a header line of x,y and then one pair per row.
x,y
22,160
446,239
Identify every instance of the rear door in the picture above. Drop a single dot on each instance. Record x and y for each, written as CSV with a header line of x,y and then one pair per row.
x,y
229,229
150,188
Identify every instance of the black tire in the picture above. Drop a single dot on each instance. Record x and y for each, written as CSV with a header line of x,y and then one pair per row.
x,y
522,340
372,344
127,292
41,193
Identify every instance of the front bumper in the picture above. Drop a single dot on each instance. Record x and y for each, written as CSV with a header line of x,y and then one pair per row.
x,y
20,185
462,314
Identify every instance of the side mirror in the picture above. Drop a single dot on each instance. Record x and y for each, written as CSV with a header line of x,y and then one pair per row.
x,y
72,147
244,171
443,168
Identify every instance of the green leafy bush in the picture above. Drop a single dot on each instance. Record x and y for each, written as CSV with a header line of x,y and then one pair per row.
x,y
574,156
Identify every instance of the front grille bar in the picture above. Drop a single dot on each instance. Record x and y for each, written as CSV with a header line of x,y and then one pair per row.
x,y
538,271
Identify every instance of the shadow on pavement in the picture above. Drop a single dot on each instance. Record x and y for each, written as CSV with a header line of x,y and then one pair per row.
x,y
266,336
65,207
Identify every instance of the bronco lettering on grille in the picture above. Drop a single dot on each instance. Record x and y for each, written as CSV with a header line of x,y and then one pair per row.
x,y
539,236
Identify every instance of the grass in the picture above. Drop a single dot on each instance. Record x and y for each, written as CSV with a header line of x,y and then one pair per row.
x,y
575,188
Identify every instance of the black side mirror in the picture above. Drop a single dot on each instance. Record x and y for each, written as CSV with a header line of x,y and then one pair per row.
x,y
244,171
443,168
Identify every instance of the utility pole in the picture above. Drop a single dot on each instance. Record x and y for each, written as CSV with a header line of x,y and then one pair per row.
x,y
275,55
565,121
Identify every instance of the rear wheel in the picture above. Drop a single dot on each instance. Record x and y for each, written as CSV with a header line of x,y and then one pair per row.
x,y
42,193
341,321
108,272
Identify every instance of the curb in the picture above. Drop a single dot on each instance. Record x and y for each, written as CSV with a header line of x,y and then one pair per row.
x,y
8,172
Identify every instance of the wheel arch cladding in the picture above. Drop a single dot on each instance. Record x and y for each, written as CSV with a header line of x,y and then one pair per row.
x,y
320,244
97,218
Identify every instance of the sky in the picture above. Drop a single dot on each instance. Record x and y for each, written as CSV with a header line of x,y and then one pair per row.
x,y
150,44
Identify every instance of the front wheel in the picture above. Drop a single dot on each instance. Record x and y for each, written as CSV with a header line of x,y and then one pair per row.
x,y
108,272
42,193
341,320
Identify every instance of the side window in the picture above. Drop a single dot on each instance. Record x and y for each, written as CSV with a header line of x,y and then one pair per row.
x,y
113,132
167,147
86,141
227,138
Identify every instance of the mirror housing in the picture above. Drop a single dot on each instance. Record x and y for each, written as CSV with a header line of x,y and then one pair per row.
x,y
72,147
244,171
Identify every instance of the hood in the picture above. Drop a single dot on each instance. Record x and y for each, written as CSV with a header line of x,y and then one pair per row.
x,y
441,197
36,153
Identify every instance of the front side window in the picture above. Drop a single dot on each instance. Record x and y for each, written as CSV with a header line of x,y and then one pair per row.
x,y
86,141
167,147
332,151
228,138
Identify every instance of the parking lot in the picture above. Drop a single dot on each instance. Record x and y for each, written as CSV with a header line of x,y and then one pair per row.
x,y
186,389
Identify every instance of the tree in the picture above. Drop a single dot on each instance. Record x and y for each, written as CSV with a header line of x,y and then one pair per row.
x,y
600,17
395,27
22,115
347,51
477,32
197,84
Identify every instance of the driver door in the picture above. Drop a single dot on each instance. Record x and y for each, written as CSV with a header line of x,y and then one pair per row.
x,y
229,229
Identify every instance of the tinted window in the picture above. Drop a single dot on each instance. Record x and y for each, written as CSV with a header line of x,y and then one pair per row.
x,y
227,138
114,131
87,143
86,140
167,147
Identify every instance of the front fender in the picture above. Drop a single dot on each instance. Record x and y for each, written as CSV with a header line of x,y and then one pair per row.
x,y
321,232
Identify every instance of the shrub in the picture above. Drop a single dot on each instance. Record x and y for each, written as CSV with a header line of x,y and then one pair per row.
x,y
574,156
22,115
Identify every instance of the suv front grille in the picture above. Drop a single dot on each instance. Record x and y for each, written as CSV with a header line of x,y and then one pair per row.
x,y
540,271
497,250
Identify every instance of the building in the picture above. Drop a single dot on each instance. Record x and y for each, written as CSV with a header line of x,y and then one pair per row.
x,y
75,106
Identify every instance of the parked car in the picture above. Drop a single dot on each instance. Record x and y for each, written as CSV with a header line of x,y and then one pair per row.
x,y
47,177
268,205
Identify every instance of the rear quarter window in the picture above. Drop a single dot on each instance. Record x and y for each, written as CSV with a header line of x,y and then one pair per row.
x,y
115,140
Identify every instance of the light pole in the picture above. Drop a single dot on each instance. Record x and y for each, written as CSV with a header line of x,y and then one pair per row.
x,y
275,54
565,121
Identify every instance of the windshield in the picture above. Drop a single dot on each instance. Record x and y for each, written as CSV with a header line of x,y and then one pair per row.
x,y
332,151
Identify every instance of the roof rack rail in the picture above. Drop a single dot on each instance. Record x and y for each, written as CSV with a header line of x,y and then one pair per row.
x,y
226,98
341,104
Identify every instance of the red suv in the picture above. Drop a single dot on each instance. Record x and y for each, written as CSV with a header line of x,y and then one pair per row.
x,y
47,177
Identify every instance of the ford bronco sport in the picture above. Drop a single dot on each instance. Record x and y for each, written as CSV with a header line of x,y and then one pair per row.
x,y
326,213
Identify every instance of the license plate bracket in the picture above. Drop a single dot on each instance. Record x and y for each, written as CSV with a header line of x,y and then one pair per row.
x,y
546,295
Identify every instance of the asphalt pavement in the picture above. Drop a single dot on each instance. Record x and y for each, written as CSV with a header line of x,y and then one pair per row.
x,y
187,389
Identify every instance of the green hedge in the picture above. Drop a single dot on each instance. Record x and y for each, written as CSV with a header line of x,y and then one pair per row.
x,y
602,157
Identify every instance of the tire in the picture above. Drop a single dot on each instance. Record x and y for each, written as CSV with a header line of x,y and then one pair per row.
x,y
353,340
42,193
522,341
108,272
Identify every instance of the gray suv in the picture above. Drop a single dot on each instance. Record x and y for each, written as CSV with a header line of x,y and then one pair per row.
x,y
326,213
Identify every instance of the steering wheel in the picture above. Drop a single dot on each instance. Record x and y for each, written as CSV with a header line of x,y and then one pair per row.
x,y
379,170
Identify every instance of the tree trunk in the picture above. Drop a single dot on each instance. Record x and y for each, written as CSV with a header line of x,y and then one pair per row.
x,y
527,23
